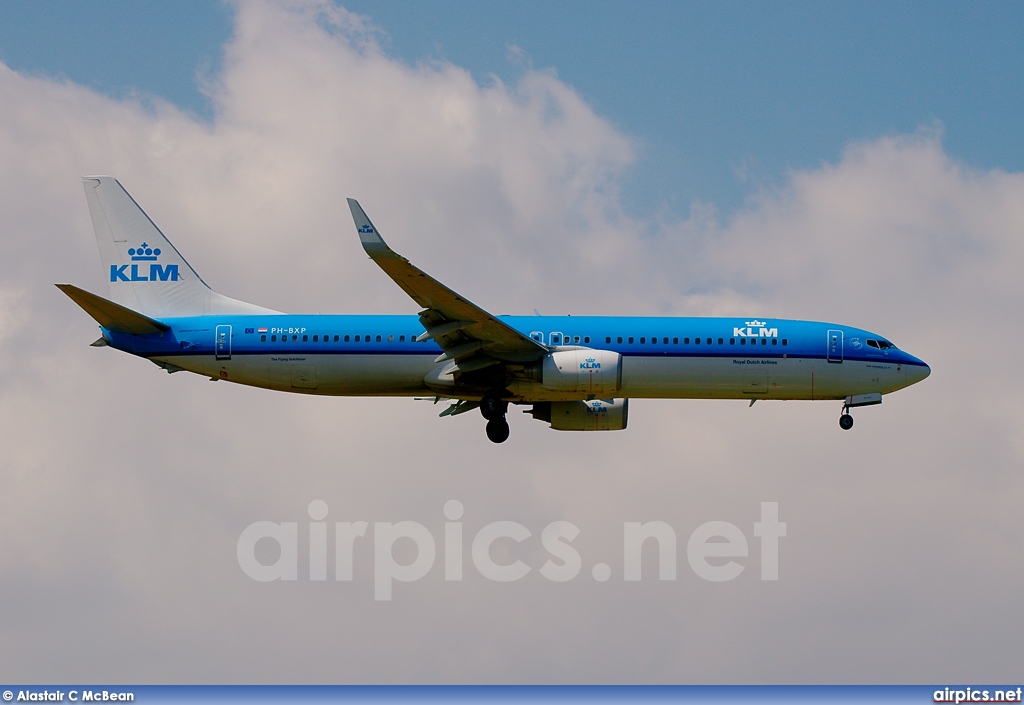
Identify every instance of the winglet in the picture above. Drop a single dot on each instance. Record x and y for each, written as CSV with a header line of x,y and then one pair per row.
x,y
111,316
373,243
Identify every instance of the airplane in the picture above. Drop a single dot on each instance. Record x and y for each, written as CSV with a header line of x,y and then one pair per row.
x,y
576,373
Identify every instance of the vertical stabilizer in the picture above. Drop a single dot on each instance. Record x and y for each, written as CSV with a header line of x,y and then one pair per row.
x,y
143,269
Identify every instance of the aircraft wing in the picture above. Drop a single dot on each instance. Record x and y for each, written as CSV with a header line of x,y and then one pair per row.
x,y
466,333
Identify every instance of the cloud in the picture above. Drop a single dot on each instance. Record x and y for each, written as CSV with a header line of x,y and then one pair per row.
x,y
126,489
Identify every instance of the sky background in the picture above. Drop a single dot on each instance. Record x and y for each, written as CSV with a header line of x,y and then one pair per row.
x,y
855,162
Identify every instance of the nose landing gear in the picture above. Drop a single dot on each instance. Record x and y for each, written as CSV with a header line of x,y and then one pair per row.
x,y
493,408
870,399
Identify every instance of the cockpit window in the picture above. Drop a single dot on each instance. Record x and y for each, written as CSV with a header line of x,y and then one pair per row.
x,y
872,343
880,344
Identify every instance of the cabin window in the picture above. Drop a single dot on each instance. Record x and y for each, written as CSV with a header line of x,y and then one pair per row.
x,y
263,338
732,341
696,341
686,341
619,339
608,339
785,341
709,341
764,341
316,338
586,339
378,338
675,341
357,338
347,338
391,338
630,340
643,339
295,338
775,341
720,341
401,339
743,341
654,340
335,339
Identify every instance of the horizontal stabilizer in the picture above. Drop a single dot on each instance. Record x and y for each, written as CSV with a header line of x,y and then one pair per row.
x,y
113,317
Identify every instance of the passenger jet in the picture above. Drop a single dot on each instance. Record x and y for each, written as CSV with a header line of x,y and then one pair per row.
x,y
576,373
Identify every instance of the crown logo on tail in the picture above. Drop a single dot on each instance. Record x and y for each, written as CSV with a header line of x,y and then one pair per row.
x,y
143,253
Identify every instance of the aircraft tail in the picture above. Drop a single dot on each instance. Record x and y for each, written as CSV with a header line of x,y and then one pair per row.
x,y
145,272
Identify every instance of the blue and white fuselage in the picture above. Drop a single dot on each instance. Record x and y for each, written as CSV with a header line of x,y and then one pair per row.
x,y
690,358
578,371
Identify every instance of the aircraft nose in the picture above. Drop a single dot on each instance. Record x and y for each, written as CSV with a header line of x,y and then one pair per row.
x,y
916,369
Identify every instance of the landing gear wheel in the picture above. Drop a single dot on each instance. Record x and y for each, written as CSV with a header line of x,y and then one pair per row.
x,y
493,408
497,430
846,422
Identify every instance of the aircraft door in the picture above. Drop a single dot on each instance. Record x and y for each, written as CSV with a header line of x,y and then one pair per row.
x,y
555,338
835,346
222,343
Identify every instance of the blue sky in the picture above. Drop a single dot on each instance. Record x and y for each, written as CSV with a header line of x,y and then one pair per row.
x,y
722,97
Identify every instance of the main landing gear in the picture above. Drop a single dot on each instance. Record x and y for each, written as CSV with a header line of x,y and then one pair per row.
x,y
494,409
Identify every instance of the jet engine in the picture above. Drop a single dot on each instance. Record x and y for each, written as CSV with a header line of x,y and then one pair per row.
x,y
593,415
582,371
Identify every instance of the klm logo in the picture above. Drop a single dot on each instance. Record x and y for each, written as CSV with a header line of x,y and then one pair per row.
x,y
365,229
755,329
153,272
590,364
597,408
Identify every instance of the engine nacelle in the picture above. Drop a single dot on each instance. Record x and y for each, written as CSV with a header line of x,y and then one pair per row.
x,y
582,371
593,415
